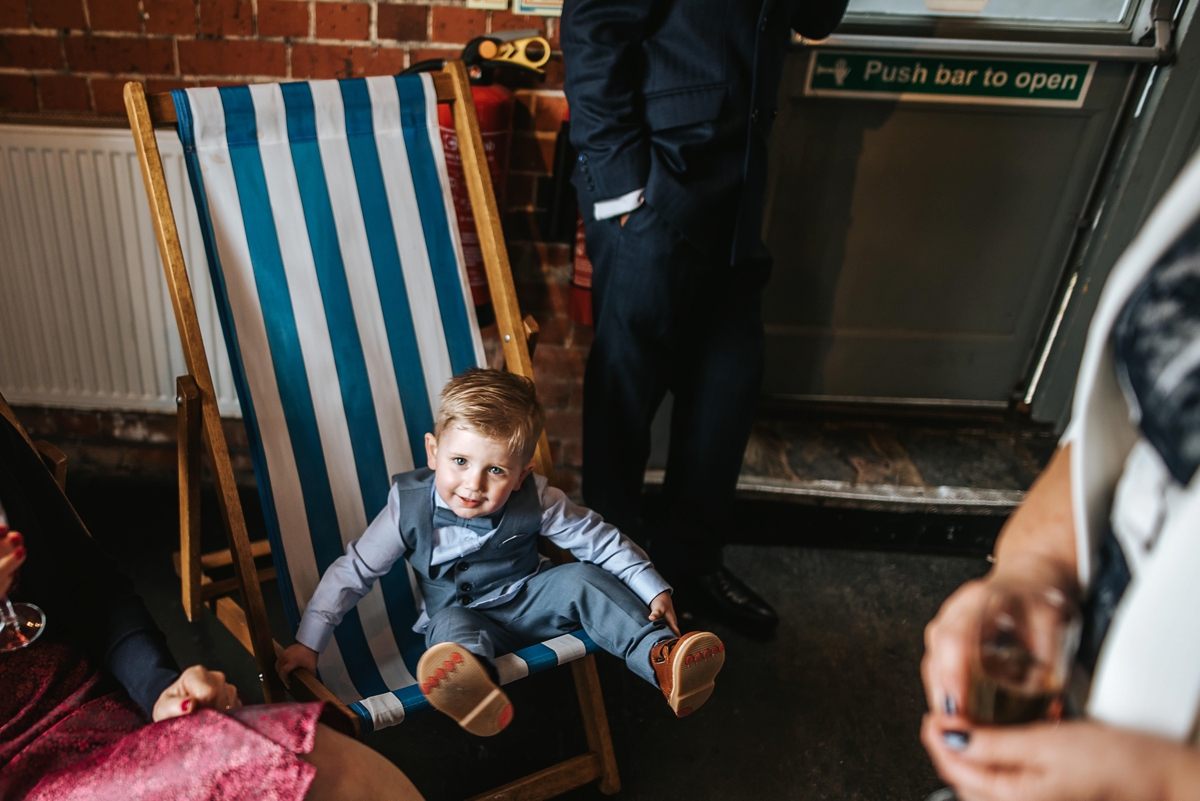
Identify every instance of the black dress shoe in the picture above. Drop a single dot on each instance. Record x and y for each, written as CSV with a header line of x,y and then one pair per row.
x,y
723,595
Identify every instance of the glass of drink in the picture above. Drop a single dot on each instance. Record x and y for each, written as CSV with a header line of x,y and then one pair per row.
x,y
1027,638
20,623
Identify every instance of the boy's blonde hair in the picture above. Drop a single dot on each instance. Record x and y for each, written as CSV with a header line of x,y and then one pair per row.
x,y
496,404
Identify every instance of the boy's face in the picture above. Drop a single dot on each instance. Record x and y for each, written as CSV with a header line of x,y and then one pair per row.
x,y
474,474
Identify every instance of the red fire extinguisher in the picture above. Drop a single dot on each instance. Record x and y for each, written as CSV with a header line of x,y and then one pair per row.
x,y
494,107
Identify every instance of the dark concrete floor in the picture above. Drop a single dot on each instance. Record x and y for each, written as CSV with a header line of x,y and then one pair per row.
x,y
829,708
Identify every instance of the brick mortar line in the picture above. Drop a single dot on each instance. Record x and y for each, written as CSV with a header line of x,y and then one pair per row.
x,y
205,37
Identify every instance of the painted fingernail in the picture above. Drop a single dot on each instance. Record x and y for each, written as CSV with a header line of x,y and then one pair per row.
x,y
956,740
950,706
17,539
186,705
19,553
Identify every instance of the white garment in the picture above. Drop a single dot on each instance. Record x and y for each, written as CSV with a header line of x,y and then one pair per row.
x,y
1148,674
573,528
626,203
1147,496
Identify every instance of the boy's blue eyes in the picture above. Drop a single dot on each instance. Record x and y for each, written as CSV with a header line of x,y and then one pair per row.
x,y
462,462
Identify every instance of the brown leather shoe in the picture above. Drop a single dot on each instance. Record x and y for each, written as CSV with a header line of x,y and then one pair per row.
x,y
457,684
686,667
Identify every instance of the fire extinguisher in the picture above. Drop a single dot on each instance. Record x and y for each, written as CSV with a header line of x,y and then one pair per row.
x,y
494,104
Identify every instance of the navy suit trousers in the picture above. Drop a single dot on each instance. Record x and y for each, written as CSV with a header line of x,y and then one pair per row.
x,y
668,317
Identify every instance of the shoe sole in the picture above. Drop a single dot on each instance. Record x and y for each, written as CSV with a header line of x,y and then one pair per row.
x,y
695,664
458,685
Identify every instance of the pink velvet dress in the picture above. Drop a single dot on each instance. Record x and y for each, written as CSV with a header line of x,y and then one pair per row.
x,y
63,735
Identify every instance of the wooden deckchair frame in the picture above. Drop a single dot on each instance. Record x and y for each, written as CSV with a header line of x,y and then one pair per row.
x,y
54,459
200,422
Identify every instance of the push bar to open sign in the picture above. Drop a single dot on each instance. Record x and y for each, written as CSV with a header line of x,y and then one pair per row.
x,y
1062,84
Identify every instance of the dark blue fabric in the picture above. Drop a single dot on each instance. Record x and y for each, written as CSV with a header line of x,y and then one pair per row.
x,y
668,318
87,600
290,373
1108,587
678,98
1157,348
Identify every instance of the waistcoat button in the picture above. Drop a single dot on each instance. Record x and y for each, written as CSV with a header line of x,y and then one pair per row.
x,y
465,586
466,599
463,565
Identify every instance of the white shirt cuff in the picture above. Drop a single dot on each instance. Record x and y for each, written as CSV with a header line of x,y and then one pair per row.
x,y
614,207
314,633
648,584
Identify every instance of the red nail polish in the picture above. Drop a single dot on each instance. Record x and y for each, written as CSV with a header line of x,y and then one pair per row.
x,y
19,553
186,705
17,538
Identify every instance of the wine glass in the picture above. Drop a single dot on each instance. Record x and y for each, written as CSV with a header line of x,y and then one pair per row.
x,y
20,623
1028,635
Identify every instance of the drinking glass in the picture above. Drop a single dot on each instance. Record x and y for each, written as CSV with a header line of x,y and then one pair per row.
x,y
20,623
1028,634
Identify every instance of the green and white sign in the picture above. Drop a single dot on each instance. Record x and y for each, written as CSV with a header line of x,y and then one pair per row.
x,y
1061,84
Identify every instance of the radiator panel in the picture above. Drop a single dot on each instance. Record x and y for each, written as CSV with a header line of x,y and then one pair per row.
x,y
85,316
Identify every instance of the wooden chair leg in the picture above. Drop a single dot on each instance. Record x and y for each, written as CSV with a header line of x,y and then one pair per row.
x,y
595,722
190,448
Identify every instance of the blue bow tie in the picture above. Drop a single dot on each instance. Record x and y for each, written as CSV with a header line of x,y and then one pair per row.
x,y
444,517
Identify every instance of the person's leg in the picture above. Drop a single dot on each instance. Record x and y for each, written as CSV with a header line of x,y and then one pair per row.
x,y
347,770
456,673
581,595
638,281
716,380
471,629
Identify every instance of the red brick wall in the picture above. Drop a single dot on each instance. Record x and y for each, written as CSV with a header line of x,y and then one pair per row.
x,y
69,59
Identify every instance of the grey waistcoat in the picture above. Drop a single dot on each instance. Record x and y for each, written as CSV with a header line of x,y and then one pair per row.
x,y
509,555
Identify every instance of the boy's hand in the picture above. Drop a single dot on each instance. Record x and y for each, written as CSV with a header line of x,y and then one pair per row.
x,y
662,607
295,656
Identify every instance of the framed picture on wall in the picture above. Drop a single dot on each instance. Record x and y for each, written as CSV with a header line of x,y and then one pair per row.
x,y
546,8
490,5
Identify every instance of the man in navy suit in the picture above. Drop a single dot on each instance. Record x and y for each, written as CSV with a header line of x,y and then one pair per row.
x,y
671,108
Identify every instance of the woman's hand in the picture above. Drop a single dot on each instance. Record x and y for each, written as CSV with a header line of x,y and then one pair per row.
x,y
196,688
661,606
295,656
12,556
1036,547
1076,761
949,641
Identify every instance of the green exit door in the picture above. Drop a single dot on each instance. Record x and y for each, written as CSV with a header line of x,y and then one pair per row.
x,y
931,171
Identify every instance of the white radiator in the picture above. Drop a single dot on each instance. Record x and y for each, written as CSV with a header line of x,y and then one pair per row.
x,y
85,317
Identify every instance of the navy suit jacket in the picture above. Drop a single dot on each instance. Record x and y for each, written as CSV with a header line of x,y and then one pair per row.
x,y
678,96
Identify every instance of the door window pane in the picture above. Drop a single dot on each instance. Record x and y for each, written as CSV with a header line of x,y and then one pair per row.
x,y
1033,10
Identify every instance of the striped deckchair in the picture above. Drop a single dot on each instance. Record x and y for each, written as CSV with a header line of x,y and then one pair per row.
x,y
333,251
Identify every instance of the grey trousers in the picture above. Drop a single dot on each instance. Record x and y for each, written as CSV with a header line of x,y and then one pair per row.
x,y
555,602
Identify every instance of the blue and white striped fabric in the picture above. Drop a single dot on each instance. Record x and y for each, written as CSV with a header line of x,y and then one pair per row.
x,y
335,259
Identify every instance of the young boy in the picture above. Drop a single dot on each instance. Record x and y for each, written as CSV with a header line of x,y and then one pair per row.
x,y
468,525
